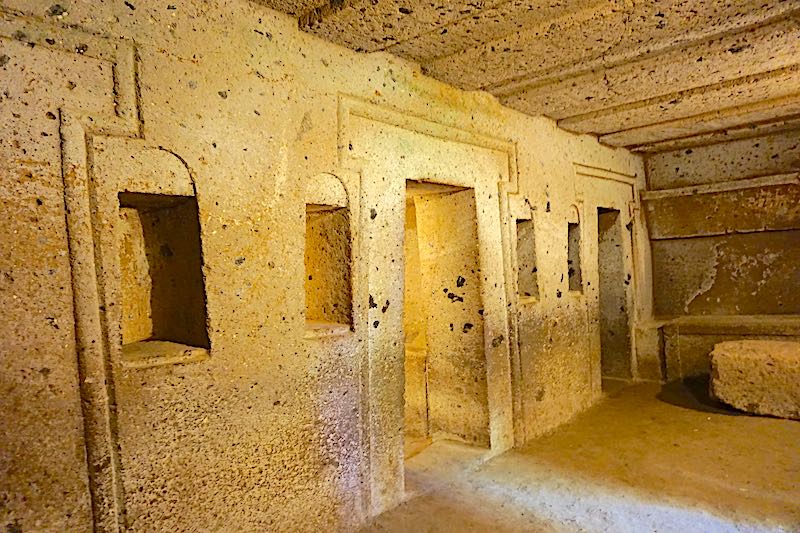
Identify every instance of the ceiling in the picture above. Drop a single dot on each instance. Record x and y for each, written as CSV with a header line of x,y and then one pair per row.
x,y
648,75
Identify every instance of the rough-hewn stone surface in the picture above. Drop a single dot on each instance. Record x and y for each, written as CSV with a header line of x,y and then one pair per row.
x,y
636,72
760,377
650,458
724,225
278,426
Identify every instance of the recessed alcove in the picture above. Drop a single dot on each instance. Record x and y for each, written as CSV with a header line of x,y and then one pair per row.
x,y
328,257
574,275
327,266
527,270
161,284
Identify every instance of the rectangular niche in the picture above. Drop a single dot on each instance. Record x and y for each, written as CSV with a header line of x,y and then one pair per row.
x,y
162,292
328,272
574,257
527,271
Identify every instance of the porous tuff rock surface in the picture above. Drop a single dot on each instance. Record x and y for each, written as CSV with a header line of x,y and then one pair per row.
x,y
284,425
761,377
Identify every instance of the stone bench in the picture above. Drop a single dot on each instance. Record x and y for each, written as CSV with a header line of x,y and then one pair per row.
x,y
688,340
758,376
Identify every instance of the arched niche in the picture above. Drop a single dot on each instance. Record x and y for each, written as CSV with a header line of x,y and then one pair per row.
x,y
328,256
326,190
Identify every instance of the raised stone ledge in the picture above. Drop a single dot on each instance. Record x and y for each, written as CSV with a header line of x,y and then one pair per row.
x,y
758,376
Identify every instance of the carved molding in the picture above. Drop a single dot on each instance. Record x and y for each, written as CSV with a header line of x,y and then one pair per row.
x,y
81,169
502,356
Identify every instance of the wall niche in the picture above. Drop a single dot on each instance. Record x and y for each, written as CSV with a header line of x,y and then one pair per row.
x,y
162,290
328,256
574,275
527,270
327,261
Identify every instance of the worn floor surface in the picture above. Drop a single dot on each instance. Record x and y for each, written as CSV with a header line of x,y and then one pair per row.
x,y
648,458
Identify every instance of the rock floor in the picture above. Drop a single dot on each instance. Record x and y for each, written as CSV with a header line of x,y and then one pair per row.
x,y
646,458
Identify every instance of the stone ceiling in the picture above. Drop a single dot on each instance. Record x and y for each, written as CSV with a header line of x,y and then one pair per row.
x,y
644,74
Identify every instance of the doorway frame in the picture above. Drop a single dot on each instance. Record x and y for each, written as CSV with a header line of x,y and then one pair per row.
x,y
439,190
385,148
611,190
626,247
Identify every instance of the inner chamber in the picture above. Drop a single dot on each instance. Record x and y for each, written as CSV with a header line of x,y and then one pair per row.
x,y
445,363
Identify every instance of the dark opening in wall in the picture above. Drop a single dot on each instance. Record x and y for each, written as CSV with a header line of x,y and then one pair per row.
x,y
163,297
327,260
615,342
574,257
527,271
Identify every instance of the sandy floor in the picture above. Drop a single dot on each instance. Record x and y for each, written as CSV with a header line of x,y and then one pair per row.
x,y
414,445
648,458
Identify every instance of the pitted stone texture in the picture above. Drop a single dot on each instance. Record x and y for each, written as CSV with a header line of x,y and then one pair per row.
x,y
775,153
761,377
294,8
725,227
369,26
273,419
600,66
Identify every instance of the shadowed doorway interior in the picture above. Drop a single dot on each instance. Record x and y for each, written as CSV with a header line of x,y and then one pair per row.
x,y
445,363
615,341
